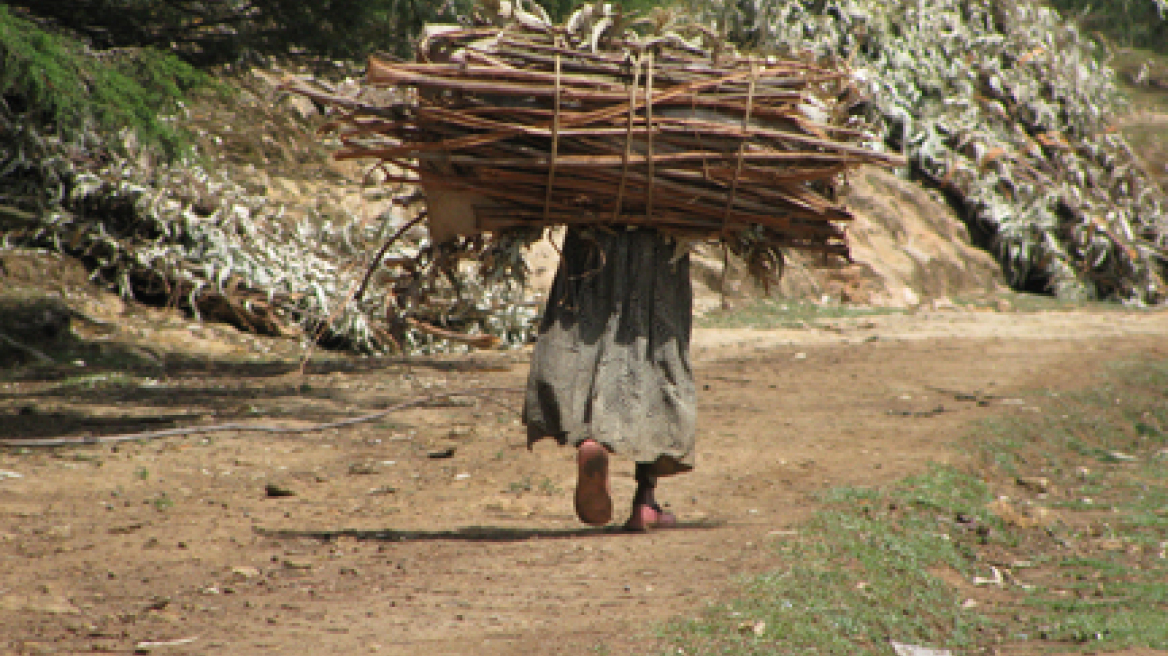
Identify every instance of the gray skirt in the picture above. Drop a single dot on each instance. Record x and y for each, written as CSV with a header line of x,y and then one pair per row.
x,y
612,360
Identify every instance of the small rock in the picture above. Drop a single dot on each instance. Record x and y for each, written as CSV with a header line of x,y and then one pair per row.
x,y
757,628
147,646
944,303
997,578
245,572
273,490
902,649
1040,484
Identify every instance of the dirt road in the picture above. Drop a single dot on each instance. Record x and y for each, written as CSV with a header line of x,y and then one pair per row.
x,y
433,530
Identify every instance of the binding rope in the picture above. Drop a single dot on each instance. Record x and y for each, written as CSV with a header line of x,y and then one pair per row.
x,y
551,179
754,73
620,193
649,133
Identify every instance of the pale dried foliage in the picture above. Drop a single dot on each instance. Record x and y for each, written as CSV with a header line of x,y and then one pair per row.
x,y
1007,108
202,238
1003,106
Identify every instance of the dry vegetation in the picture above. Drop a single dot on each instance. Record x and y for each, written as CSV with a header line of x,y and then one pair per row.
x,y
1007,109
1010,109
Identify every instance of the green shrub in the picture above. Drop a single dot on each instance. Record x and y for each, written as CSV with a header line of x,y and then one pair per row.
x,y
56,83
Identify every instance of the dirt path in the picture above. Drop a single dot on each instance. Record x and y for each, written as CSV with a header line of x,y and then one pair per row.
x,y
434,531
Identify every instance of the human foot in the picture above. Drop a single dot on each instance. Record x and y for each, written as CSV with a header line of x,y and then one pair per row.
x,y
647,516
593,501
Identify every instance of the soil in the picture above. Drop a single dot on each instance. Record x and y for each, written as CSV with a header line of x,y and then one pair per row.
x,y
433,529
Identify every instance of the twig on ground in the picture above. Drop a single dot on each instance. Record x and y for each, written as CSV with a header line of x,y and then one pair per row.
x,y
146,645
476,341
483,393
39,355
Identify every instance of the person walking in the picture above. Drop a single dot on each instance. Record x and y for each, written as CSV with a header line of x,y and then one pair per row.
x,y
611,372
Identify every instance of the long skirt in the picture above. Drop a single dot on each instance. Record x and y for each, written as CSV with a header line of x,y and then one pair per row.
x,y
612,360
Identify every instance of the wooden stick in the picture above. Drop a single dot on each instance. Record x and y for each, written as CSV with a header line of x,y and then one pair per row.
x,y
483,393
476,341
714,145
38,355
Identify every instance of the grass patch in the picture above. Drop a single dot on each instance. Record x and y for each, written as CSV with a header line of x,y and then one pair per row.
x,y
865,571
1056,538
770,313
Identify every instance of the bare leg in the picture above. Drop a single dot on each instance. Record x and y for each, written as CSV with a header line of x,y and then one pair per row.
x,y
647,513
593,500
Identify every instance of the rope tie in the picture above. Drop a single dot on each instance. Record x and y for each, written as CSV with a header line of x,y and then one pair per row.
x,y
551,179
741,145
620,193
649,134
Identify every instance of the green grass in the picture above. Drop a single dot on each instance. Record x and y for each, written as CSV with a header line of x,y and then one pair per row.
x,y
68,87
1089,573
540,485
769,313
860,574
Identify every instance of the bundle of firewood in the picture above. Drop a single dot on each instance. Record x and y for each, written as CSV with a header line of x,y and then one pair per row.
x,y
607,120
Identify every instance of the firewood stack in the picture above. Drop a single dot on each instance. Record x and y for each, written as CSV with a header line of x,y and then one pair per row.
x,y
610,121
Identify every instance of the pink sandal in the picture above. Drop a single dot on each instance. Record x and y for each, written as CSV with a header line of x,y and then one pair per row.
x,y
647,516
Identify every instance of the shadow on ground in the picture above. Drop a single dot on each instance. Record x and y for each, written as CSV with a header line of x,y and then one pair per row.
x,y
474,533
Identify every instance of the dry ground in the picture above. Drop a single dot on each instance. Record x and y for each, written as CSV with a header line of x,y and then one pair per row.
x,y
434,530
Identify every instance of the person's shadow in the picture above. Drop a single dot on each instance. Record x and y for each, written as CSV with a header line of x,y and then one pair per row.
x,y
474,533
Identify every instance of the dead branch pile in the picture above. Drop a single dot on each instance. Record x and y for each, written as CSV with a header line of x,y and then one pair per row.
x,y
603,121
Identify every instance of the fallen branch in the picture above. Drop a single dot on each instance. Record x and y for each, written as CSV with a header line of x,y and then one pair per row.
x,y
39,355
12,217
483,393
476,341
